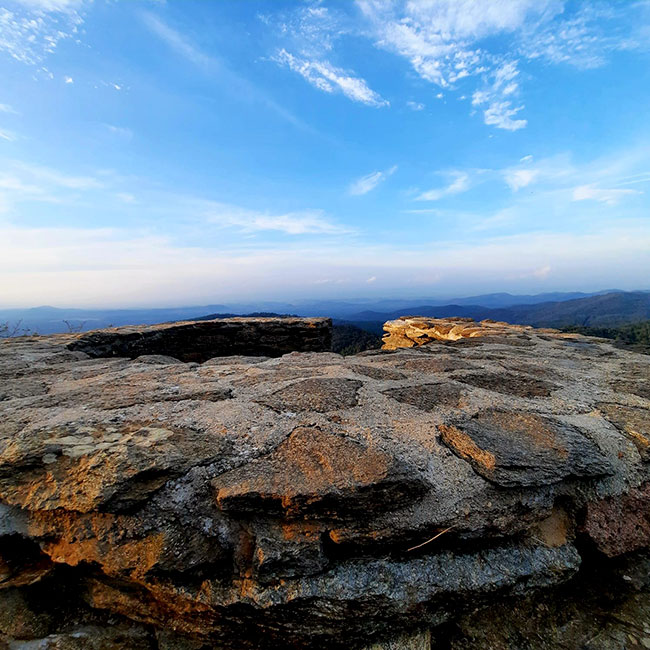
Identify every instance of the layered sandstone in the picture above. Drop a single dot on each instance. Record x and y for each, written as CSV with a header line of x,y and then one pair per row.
x,y
318,501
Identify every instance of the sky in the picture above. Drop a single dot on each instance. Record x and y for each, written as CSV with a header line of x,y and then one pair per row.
x,y
186,152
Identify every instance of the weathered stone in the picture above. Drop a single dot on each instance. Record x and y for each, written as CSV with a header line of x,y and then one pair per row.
x,y
314,501
507,383
315,395
620,525
202,340
418,641
321,475
19,619
513,449
92,637
634,422
427,397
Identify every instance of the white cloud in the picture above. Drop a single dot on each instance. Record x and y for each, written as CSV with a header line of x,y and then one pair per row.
x,y
371,279
459,184
439,37
518,178
51,5
542,272
608,196
501,114
68,80
119,131
9,136
446,43
498,109
306,222
328,78
6,108
33,32
368,182
415,106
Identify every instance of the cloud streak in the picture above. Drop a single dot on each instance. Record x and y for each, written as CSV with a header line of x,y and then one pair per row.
x,y
330,79
370,181
461,183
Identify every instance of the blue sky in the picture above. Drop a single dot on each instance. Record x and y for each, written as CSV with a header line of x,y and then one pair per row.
x,y
196,151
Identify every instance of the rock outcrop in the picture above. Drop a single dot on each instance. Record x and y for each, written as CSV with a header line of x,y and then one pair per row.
x,y
413,331
447,493
206,339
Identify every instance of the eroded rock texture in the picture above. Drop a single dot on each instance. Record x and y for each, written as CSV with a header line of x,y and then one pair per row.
x,y
315,501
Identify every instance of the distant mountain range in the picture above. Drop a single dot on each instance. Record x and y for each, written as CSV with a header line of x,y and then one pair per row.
x,y
607,308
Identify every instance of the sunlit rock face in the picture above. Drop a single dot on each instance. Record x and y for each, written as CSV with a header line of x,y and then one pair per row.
x,y
438,495
413,331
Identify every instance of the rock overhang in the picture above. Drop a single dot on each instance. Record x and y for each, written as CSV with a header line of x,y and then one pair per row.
x,y
280,491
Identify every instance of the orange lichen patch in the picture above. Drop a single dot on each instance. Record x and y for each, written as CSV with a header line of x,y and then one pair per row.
x,y
315,471
465,447
553,531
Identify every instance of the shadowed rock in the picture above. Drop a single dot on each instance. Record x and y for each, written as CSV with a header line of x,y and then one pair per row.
x,y
202,340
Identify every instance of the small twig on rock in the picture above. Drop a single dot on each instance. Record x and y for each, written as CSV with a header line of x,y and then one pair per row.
x,y
442,532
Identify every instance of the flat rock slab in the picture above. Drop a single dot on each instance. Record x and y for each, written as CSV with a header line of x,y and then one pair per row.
x,y
310,500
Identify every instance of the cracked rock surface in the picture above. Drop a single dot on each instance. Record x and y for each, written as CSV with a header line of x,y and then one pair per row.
x,y
312,500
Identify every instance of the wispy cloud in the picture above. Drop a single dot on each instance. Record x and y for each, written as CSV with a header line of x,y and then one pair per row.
x,y
119,131
460,183
444,42
518,178
306,222
608,196
6,108
368,182
21,182
8,136
32,31
328,78
415,106
495,98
